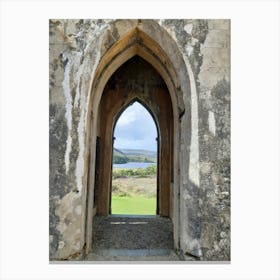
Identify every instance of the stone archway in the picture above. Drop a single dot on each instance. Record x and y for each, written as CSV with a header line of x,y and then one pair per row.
x,y
137,42
136,80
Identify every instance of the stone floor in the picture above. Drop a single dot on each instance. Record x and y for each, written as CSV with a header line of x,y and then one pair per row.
x,y
133,238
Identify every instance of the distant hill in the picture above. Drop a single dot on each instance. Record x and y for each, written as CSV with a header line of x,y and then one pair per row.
x,y
118,152
138,152
131,155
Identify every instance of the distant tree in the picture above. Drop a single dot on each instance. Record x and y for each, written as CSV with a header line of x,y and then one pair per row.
x,y
120,159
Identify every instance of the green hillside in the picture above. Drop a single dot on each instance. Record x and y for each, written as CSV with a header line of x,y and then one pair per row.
x,y
139,152
130,155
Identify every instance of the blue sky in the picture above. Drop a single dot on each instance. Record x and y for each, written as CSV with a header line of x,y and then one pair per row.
x,y
135,129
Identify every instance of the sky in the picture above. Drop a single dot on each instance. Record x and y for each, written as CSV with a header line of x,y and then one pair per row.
x,y
135,129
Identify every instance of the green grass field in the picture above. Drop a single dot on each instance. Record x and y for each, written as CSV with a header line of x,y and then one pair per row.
x,y
134,205
134,195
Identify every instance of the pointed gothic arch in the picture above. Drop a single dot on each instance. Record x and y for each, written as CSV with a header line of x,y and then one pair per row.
x,y
117,95
131,102
162,56
156,124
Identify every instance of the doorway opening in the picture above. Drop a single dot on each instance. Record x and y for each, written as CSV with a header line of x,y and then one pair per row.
x,y
136,84
138,67
136,80
134,184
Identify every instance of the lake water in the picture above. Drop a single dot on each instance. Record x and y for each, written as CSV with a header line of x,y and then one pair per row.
x,y
133,165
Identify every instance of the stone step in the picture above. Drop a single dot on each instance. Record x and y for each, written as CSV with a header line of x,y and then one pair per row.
x,y
133,252
155,255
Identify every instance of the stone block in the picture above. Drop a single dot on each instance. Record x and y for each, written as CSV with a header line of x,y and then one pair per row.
x,y
219,24
215,57
217,39
57,96
209,77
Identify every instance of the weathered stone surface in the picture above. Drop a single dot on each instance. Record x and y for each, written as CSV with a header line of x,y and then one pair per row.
x,y
199,54
133,233
215,175
220,24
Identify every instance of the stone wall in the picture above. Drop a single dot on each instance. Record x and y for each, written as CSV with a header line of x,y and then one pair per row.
x,y
76,48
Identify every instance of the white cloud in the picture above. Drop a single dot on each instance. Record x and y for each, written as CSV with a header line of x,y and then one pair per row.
x,y
127,117
136,110
146,144
135,129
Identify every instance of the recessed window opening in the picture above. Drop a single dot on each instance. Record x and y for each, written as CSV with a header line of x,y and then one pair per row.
x,y
134,169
